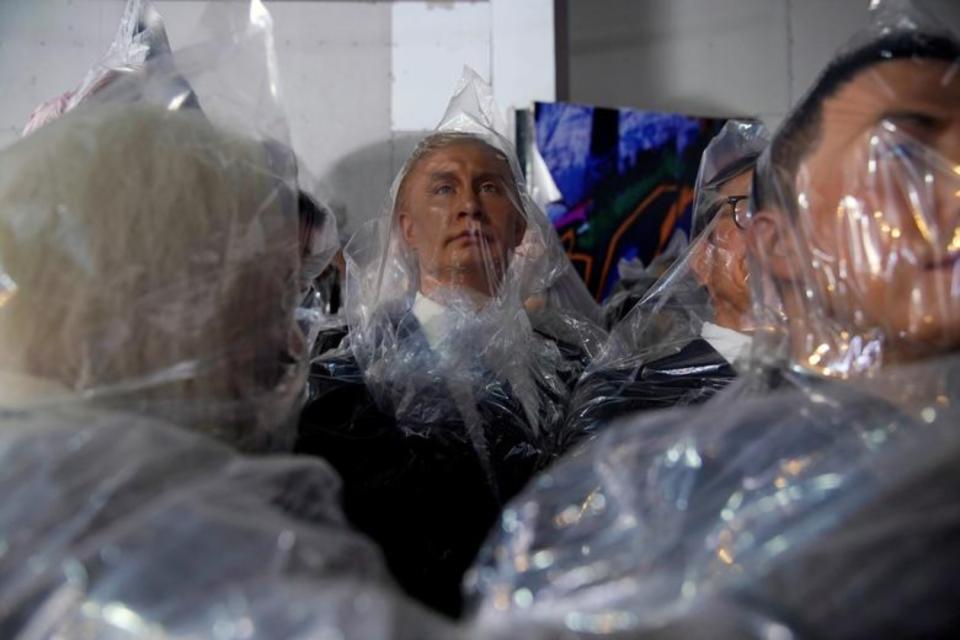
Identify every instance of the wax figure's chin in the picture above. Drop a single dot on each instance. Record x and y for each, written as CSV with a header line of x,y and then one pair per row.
x,y
467,267
917,307
458,288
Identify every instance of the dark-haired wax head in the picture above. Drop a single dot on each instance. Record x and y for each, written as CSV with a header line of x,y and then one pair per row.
x,y
857,205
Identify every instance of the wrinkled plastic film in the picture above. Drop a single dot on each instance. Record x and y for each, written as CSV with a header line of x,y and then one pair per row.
x,y
855,229
140,36
815,496
636,279
318,313
790,511
466,329
691,331
150,252
103,510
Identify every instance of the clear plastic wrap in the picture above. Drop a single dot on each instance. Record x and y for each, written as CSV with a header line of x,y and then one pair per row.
x,y
824,510
320,283
855,231
119,526
682,341
467,328
636,279
140,37
451,284
149,253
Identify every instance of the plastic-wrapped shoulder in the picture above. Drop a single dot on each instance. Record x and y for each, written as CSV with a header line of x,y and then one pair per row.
x,y
147,255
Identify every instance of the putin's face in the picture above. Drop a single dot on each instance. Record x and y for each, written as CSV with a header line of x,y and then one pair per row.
x,y
459,212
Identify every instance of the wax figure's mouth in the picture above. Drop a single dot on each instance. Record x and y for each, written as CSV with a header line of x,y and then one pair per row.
x,y
945,262
472,236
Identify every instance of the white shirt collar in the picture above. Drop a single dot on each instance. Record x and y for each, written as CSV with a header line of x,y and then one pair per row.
x,y
732,345
430,314
434,320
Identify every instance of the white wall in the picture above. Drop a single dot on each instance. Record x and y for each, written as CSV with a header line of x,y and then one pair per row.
x,y
708,57
45,48
361,80
722,57
335,65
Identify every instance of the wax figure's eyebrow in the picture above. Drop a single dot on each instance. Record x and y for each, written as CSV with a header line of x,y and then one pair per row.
x,y
490,175
443,176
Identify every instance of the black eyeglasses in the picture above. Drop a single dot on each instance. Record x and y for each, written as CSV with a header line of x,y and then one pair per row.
x,y
738,207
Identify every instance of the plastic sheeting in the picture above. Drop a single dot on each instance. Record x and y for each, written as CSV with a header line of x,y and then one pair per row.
x,y
318,245
636,280
320,292
683,341
467,328
827,510
148,253
119,526
140,37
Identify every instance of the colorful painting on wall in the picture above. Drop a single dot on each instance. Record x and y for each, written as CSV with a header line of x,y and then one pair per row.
x,y
622,182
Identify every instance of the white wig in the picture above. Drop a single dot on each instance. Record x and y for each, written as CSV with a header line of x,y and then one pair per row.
x,y
150,259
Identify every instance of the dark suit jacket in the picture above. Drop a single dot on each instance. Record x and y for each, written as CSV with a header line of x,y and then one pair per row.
x,y
876,557
839,512
427,493
691,376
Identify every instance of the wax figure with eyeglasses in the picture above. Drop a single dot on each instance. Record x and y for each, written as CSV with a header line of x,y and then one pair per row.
x,y
467,328
681,343
816,496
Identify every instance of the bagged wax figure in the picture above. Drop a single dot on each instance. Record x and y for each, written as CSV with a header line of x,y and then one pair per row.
x,y
467,327
857,208
681,343
150,270
826,504
148,251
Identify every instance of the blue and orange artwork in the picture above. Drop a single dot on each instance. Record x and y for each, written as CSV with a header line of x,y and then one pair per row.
x,y
626,182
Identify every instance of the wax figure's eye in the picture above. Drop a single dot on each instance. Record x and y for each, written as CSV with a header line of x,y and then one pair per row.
x,y
490,187
916,123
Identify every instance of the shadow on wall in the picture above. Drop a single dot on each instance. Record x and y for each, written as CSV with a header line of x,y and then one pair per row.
x,y
363,179
718,59
672,55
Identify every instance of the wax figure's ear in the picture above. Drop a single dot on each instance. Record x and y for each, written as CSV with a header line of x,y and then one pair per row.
x,y
701,255
519,228
770,239
407,229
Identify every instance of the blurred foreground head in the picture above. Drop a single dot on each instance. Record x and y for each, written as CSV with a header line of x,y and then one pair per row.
x,y
149,259
858,203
